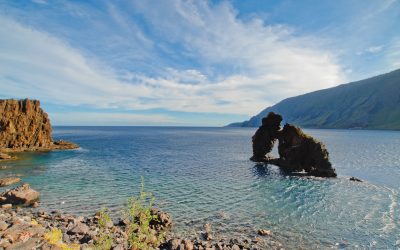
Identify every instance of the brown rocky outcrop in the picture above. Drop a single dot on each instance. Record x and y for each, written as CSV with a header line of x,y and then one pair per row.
x,y
25,126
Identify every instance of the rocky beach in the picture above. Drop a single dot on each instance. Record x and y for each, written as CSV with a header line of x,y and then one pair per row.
x,y
24,225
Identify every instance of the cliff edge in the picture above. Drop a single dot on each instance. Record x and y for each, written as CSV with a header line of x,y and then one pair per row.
x,y
24,126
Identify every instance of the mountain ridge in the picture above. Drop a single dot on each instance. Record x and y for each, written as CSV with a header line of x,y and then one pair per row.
x,y
372,103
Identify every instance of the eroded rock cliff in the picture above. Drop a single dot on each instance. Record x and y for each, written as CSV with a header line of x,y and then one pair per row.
x,y
25,126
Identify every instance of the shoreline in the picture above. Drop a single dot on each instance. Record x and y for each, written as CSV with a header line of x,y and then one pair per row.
x,y
55,146
25,227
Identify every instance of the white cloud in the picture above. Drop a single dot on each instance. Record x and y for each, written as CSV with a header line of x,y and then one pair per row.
x,y
104,119
264,64
374,49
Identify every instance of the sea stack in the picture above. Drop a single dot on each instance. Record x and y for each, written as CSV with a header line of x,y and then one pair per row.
x,y
24,126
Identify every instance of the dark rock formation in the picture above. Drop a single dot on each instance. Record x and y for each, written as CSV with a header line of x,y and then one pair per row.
x,y
25,126
265,136
355,179
23,195
300,152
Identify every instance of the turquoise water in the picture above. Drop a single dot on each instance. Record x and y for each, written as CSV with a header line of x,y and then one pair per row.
x,y
203,175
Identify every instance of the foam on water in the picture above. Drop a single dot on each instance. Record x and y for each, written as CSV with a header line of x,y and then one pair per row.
x,y
203,175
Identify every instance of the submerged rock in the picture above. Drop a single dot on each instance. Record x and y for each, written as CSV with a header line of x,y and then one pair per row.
x,y
9,181
22,195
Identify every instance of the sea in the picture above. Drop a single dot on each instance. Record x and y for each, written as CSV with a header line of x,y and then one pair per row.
x,y
204,175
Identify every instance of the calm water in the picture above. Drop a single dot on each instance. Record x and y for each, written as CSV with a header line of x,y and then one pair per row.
x,y
203,175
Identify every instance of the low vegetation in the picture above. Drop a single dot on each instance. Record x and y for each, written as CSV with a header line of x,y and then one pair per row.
x,y
54,237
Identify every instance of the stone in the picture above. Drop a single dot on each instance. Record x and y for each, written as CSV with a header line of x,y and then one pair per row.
x,y
235,247
78,228
161,220
174,244
22,195
9,181
264,232
188,244
264,138
35,204
6,206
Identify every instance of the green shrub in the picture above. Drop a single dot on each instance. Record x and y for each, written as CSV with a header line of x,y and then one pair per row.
x,y
138,214
104,240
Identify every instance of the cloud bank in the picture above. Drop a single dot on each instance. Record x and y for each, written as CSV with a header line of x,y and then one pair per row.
x,y
223,64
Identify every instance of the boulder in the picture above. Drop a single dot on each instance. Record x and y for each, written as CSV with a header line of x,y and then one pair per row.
x,y
78,228
22,195
9,181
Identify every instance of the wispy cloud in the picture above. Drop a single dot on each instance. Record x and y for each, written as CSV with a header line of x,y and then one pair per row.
x,y
240,66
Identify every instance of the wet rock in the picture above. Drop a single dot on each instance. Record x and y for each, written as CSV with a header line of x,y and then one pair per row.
x,y
22,195
9,181
264,232
355,179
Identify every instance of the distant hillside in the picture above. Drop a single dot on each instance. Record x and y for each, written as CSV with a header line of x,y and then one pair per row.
x,y
373,103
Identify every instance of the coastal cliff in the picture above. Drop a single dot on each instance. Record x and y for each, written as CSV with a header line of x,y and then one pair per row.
x,y
371,103
24,126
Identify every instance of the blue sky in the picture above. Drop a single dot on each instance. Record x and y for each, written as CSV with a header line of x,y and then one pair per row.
x,y
187,63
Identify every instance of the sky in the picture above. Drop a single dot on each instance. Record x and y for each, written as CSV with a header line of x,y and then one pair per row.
x,y
187,63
